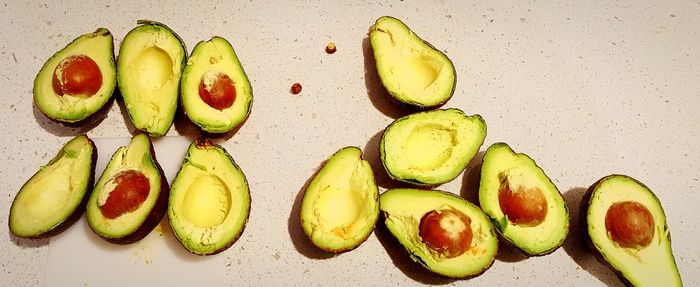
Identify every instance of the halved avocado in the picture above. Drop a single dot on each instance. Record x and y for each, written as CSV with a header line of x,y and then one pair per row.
x,y
151,60
54,197
131,196
443,232
411,69
340,205
523,203
78,80
625,226
432,147
216,93
209,200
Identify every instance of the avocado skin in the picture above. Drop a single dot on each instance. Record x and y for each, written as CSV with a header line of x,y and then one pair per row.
x,y
301,220
583,222
157,213
102,112
384,216
203,142
508,242
70,220
408,104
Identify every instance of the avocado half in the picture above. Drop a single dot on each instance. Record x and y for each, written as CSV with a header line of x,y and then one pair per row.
x,y
522,202
209,200
131,196
216,93
340,205
55,196
431,147
441,231
151,60
411,69
78,80
625,226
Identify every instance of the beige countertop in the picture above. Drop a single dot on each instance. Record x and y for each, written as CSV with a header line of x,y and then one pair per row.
x,y
586,88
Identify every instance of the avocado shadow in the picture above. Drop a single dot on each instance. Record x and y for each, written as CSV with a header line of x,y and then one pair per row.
x,y
28,242
167,235
378,95
301,243
184,126
372,155
575,244
71,129
399,256
471,179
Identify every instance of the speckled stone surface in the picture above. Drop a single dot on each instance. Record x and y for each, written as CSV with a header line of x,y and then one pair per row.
x,y
586,88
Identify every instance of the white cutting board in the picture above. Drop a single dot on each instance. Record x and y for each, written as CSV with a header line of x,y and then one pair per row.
x,y
78,257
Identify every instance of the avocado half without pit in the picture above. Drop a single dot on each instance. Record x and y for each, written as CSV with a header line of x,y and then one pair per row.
x,y
151,59
443,232
78,80
209,200
54,197
625,226
523,203
131,196
411,69
432,147
216,93
340,205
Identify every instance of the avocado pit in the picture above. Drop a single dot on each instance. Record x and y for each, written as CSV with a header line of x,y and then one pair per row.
x,y
77,75
447,232
523,206
630,224
130,190
217,90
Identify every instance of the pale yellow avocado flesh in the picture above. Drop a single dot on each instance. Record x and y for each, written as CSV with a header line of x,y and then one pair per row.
x,y
99,47
135,156
411,70
519,170
653,265
54,192
403,210
151,59
209,58
431,147
340,208
209,200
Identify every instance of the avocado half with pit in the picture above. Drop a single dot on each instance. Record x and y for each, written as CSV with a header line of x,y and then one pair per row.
x,y
151,60
625,226
78,80
411,69
340,205
54,197
432,147
209,200
131,196
441,231
523,203
216,93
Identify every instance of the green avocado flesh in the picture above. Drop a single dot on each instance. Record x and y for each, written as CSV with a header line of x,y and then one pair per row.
x,y
403,210
209,59
651,265
151,60
70,108
54,198
340,205
134,223
412,71
502,166
209,200
432,147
